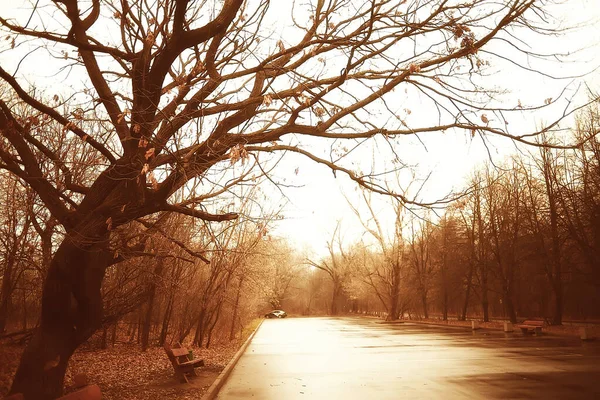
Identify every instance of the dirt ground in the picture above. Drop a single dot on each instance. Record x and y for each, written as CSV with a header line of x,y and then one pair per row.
x,y
123,372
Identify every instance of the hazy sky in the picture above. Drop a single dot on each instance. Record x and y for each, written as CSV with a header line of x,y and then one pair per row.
x,y
316,208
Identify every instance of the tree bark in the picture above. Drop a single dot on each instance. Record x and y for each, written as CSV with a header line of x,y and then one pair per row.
x,y
212,324
71,313
465,307
484,296
334,298
166,320
5,295
424,304
395,295
510,308
113,335
158,270
235,308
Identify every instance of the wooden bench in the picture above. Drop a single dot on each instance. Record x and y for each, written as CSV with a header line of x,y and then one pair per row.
x,y
531,326
179,357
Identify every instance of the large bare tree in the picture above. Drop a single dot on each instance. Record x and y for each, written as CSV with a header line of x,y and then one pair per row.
x,y
174,92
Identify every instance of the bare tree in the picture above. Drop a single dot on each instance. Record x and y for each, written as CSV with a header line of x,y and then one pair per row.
x,y
338,267
15,239
421,263
180,90
386,276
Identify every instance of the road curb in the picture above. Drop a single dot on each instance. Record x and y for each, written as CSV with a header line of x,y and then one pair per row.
x,y
462,327
213,390
490,328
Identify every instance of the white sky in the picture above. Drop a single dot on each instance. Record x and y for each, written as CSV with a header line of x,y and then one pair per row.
x,y
317,206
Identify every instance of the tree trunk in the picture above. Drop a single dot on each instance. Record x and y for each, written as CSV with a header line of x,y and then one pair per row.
x,y
71,313
509,306
558,304
216,314
395,294
235,308
199,335
463,315
139,326
104,338
444,292
158,270
334,299
484,296
166,319
113,334
132,328
147,321
393,314
445,306
5,295
25,314
510,310
424,303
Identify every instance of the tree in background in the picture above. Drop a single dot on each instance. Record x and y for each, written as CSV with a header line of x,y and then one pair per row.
x,y
386,274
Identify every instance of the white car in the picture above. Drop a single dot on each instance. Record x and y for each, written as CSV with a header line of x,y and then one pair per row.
x,y
276,314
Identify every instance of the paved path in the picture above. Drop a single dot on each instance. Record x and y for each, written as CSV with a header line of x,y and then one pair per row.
x,y
355,358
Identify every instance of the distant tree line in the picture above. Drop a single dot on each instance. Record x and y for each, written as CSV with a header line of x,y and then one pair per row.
x,y
523,241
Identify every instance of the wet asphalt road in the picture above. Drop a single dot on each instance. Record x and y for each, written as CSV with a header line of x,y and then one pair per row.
x,y
356,358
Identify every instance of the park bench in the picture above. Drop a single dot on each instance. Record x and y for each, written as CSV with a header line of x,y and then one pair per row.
x,y
531,326
182,361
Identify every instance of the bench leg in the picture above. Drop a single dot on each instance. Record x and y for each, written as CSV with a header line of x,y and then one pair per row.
x,y
182,377
538,331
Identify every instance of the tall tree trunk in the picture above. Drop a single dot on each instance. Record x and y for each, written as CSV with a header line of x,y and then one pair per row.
x,y
158,270
212,325
510,308
445,305
104,338
6,293
484,296
558,303
147,320
199,335
235,308
334,298
424,303
465,307
481,256
113,334
395,293
166,320
71,313
139,326
444,293
555,273
25,314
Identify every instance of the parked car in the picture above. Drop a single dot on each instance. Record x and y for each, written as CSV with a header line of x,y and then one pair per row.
x,y
276,314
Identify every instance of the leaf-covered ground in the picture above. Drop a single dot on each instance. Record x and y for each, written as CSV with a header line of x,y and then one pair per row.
x,y
123,372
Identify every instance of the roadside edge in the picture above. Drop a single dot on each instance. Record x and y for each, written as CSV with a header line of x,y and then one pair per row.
x,y
213,390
